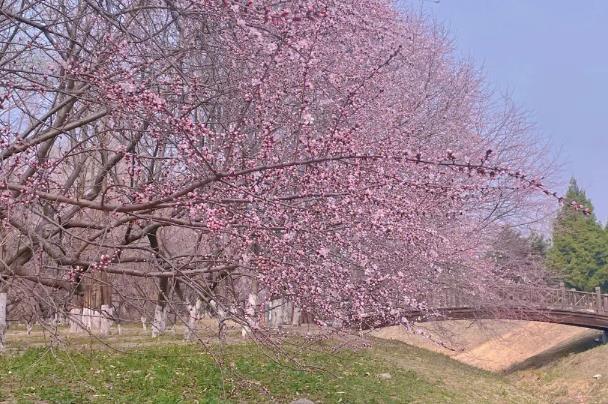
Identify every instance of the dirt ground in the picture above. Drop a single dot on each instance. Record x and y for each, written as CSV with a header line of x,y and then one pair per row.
x,y
495,345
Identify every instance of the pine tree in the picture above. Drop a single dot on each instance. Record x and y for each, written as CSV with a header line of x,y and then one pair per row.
x,y
580,244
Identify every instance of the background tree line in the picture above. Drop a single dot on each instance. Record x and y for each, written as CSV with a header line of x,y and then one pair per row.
x,y
579,251
576,254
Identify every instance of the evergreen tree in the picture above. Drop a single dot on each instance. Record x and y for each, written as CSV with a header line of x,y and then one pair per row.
x,y
580,244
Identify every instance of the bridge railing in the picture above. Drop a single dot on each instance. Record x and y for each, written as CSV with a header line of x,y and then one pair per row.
x,y
443,297
522,295
566,299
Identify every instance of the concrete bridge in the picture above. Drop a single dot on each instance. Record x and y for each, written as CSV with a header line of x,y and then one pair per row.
x,y
550,305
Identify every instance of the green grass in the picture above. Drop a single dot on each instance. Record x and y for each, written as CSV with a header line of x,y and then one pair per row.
x,y
186,373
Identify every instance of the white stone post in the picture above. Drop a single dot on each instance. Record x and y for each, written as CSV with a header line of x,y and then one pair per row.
x,y
96,321
297,315
75,320
274,313
106,321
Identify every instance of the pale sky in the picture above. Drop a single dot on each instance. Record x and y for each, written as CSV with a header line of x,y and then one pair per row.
x,y
551,56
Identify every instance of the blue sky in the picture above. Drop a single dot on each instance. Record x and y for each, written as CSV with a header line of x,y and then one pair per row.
x,y
551,56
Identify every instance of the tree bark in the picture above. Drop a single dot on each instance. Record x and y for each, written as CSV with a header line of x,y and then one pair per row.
x,y
3,326
250,315
159,325
195,315
221,318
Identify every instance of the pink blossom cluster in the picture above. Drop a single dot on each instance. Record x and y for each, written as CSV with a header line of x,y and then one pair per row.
x,y
338,145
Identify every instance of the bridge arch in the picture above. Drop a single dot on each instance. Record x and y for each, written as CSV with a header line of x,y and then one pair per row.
x,y
548,305
587,319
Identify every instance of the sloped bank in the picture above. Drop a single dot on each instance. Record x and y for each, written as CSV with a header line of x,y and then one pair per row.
x,y
330,372
496,345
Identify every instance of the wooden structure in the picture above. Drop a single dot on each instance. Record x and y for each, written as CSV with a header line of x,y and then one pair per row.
x,y
93,311
518,302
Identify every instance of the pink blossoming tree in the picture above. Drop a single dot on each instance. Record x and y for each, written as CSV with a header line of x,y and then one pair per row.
x,y
331,154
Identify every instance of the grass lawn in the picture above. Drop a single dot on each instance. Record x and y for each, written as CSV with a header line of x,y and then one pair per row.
x,y
247,373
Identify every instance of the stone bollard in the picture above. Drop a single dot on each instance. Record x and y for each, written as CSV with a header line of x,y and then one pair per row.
x,y
106,316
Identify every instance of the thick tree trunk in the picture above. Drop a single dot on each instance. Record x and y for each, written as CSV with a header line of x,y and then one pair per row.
x,y
3,326
221,317
250,315
159,324
194,317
